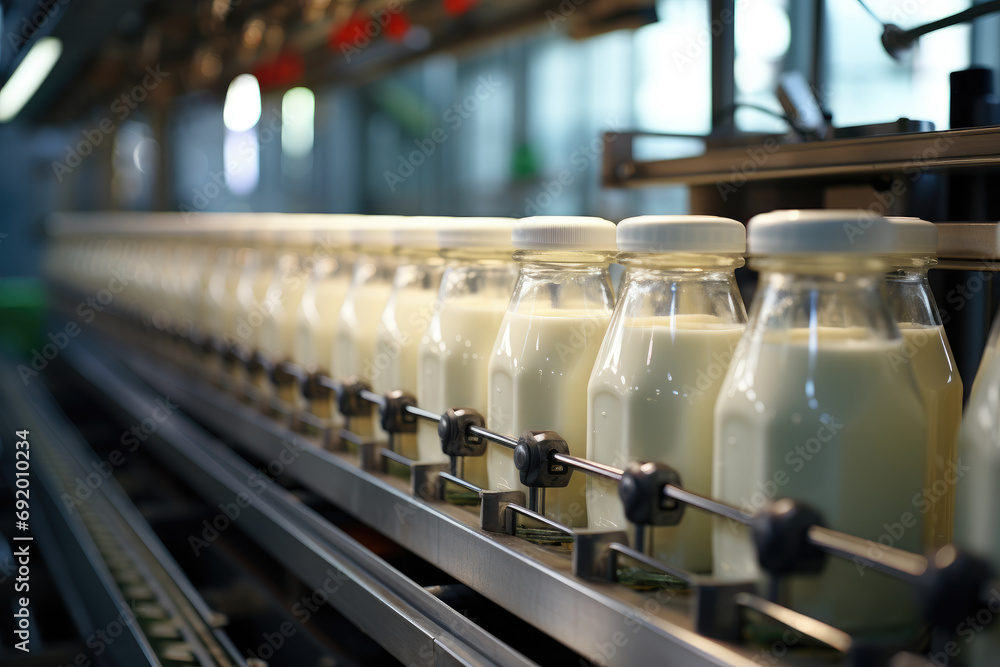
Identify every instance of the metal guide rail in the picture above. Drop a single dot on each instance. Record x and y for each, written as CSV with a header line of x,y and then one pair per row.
x,y
117,576
789,536
406,619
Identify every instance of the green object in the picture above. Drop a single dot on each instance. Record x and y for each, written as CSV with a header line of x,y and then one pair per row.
x,y
23,305
461,497
524,163
644,580
545,536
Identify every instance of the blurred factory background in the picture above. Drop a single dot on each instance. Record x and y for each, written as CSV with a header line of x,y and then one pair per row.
x,y
462,107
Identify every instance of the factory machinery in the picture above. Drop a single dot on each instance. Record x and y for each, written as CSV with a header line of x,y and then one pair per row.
x,y
184,524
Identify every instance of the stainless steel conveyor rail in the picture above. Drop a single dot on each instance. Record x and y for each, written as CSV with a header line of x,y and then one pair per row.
x,y
113,570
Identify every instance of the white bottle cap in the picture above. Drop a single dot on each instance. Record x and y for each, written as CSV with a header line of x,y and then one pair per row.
x,y
682,233
811,232
477,233
419,232
554,232
375,231
916,236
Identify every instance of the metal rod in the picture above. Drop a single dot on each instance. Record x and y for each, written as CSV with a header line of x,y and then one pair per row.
x,y
589,467
524,511
459,481
500,439
707,504
372,397
888,560
827,634
533,498
329,383
397,457
423,414
652,563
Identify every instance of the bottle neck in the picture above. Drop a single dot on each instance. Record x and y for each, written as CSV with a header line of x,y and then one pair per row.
x,y
467,256
853,304
710,296
564,258
578,284
908,293
684,262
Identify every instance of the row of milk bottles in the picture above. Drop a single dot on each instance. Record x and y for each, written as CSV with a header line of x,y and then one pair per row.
x,y
839,390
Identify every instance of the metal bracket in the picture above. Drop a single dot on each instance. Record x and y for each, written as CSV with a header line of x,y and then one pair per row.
x,y
370,456
591,553
424,481
715,611
493,509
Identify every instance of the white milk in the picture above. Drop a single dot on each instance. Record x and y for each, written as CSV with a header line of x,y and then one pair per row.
x,y
354,342
827,421
254,301
651,397
397,340
317,321
453,369
278,331
977,527
989,354
538,380
941,389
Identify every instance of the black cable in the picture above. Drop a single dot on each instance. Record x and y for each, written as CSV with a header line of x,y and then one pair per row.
x,y
729,112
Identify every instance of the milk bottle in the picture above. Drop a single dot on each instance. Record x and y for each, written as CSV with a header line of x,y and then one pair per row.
x,y
977,479
926,349
813,409
256,260
294,261
656,378
407,313
454,352
326,289
547,344
357,322
219,308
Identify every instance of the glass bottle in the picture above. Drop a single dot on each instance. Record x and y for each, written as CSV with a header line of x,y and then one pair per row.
x,y
813,409
257,259
326,289
977,480
357,322
294,259
652,393
455,350
406,315
546,347
926,349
